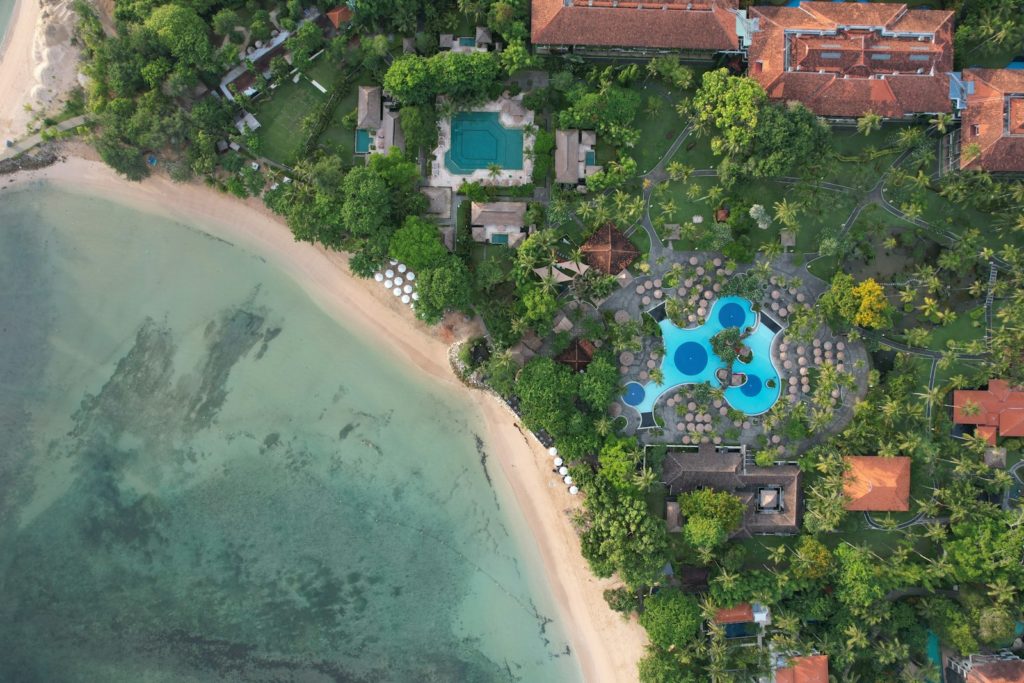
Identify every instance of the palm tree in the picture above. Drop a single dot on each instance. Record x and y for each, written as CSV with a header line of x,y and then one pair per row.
x,y
603,425
785,212
493,170
932,396
942,122
645,478
869,123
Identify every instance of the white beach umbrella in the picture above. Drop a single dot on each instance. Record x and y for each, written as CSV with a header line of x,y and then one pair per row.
x,y
563,470
407,289
573,490
402,268
393,262
553,451
410,276
379,277
389,273
558,461
388,284
567,479
399,280
405,299
397,291
415,296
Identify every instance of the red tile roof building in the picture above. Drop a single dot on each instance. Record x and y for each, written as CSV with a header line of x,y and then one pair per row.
x,y
996,411
339,16
811,669
742,613
877,484
846,59
997,672
993,120
629,26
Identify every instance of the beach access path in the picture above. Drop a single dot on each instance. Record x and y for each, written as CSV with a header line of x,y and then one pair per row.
x,y
607,646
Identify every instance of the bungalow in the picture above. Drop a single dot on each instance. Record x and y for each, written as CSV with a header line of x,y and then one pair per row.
x,y
996,411
575,158
692,28
243,79
377,126
844,60
481,42
992,134
770,495
876,484
809,669
744,621
1003,667
498,222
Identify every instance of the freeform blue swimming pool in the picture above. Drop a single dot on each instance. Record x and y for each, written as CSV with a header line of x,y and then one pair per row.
x,y
689,359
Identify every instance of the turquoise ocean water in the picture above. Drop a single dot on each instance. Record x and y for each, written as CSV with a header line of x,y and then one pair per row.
x,y
205,478
6,9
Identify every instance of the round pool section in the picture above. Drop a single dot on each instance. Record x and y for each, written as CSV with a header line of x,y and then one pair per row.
x,y
752,387
731,315
634,394
691,358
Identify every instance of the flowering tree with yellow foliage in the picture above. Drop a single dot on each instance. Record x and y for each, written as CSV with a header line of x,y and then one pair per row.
x,y
873,307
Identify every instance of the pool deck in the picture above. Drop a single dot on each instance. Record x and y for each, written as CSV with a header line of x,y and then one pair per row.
x,y
440,176
684,421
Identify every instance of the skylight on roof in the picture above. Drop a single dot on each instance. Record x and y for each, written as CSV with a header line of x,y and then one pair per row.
x,y
920,47
831,55
833,45
919,58
881,57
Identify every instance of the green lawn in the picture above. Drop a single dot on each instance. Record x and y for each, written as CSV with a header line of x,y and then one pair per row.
x,y
337,136
281,115
658,127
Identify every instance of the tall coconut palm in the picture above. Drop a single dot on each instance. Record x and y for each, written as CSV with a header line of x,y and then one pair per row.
x,y
942,121
869,123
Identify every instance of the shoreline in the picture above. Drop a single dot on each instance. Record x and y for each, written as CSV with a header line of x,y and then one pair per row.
x,y
38,63
607,646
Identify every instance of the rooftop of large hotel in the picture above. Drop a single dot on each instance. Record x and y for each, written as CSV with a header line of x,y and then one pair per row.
x,y
994,120
846,59
998,410
679,24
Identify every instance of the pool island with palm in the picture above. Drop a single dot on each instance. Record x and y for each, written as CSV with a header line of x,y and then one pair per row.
x,y
690,359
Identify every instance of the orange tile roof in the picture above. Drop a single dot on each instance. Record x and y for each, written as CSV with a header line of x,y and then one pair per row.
x,y
997,672
847,59
812,669
877,484
681,24
999,407
994,120
339,16
609,250
738,614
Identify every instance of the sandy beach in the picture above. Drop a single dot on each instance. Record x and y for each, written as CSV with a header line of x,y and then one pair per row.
x,y
38,63
607,646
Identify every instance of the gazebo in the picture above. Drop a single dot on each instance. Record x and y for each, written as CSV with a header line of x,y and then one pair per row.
x,y
578,355
609,250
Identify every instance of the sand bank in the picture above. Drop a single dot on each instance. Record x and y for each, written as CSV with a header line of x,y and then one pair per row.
x,y
38,63
607,646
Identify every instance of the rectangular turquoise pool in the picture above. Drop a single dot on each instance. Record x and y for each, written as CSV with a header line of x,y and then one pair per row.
x,y
467,42
478,140
362,141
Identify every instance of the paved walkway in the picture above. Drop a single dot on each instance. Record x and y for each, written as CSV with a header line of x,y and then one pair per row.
x,y
25,144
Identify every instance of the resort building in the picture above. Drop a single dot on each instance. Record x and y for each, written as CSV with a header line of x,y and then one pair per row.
x,y
771,495
809,669
991,136
843,60
481,42
697,29
609,250
339,16
377,126
1002,667
744,622
575,158
498,222
996,411
242,79
873,483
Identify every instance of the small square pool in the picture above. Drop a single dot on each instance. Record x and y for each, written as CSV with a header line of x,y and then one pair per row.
x,y
591,158
467,42
499,238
